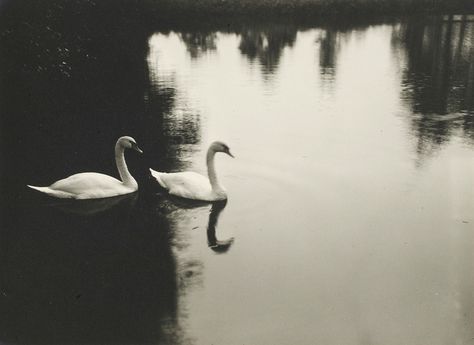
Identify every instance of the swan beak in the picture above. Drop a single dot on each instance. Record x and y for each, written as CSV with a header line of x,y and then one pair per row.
x,y
230,154
136,148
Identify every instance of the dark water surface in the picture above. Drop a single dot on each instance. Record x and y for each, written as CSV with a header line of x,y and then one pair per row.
x,y
351,211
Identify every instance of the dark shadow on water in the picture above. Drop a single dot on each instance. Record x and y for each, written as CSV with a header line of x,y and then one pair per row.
x,y
103,278
100,272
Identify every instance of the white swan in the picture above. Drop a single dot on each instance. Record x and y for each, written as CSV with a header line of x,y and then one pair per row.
x,y
192,185
91,185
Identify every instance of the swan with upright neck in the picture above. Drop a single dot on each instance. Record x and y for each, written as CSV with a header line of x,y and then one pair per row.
x,y
191,185
90,185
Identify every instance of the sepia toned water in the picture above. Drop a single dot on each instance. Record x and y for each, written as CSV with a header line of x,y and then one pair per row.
x,y
350,217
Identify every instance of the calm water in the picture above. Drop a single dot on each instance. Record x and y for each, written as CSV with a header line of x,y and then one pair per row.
x,y
351,211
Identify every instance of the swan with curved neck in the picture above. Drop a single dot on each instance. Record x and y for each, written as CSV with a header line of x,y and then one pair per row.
x,y
90,185
191,185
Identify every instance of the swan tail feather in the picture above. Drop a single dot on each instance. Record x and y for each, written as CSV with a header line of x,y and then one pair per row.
x,y
157,176
52,192
40,189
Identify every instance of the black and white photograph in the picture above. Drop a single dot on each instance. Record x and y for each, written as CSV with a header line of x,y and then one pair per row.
x,y
236,172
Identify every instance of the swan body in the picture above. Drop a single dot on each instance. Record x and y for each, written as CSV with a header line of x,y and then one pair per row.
x,y
191,185
90,185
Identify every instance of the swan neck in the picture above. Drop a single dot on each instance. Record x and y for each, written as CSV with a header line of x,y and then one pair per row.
x,y
211,169
122,168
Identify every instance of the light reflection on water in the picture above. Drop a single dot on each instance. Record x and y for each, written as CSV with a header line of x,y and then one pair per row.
x,y
352,195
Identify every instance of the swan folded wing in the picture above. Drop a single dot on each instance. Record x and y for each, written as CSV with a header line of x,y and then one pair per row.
x,y
189,185
89,185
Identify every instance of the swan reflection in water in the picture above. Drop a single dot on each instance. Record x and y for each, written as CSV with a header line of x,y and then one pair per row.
x,y
95,206
218,246
181,213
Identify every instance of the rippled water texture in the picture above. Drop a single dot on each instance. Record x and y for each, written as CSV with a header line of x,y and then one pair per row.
x,y
350,217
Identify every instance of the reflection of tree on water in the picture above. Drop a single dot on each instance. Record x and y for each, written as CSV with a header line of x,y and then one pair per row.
x,y
328,51
439,77
267,45
198,43
180,126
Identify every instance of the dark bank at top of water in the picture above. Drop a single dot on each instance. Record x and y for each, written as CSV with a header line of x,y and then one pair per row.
x,y
181,11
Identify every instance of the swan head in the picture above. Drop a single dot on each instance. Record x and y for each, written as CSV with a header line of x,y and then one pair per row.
x,y
219,146
128,143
